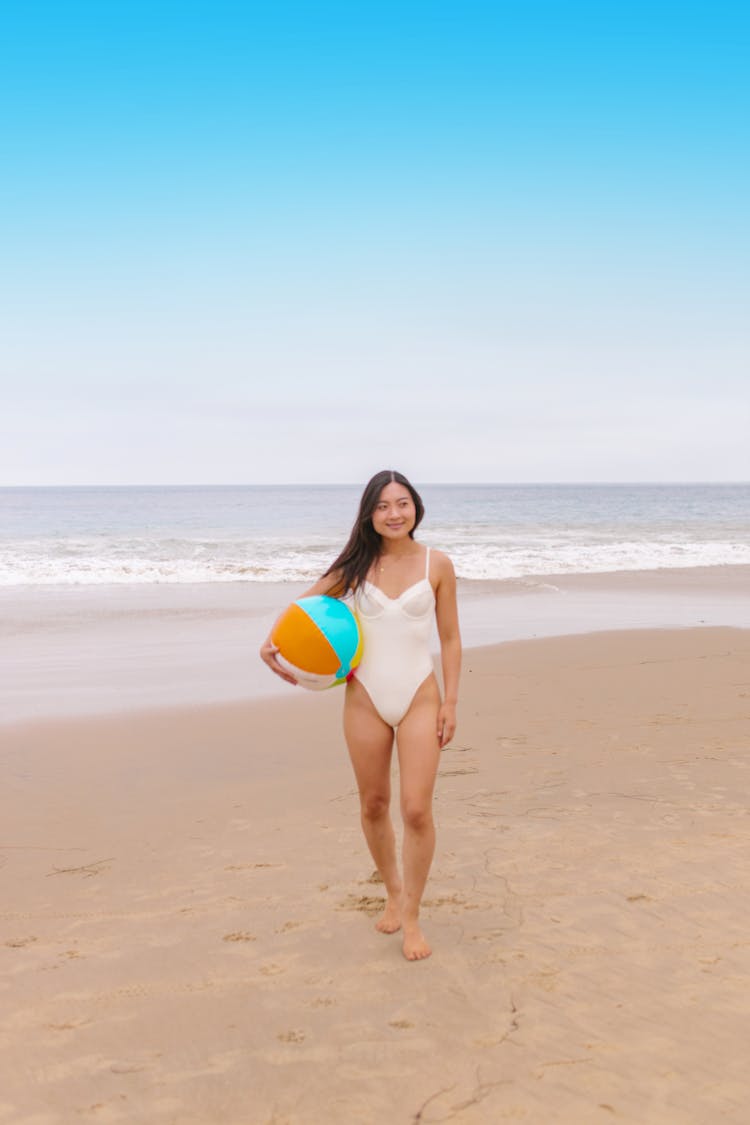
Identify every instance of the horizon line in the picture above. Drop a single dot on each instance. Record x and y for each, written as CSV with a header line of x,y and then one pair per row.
x,y
359,484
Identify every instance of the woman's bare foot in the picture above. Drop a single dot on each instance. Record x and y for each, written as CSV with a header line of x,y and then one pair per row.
x,y
415,944
390,920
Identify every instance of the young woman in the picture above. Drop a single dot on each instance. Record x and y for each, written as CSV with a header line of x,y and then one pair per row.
x,y
398,588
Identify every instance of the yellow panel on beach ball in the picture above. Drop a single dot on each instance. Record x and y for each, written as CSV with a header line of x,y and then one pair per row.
x,y
358,652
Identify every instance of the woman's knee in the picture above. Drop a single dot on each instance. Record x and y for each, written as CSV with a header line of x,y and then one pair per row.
x,y
374,805
416,814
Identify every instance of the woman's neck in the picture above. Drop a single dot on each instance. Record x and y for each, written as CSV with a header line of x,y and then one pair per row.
x,y
395,552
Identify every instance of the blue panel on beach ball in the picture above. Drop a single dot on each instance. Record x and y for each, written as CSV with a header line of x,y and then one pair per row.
x,y
338,625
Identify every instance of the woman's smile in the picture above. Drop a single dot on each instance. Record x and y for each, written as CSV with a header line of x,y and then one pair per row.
x,y
394,511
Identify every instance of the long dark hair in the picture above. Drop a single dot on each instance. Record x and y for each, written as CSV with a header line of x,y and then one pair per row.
x,y
363,544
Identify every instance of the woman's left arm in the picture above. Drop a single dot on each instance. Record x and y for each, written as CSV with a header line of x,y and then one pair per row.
x,y
446,611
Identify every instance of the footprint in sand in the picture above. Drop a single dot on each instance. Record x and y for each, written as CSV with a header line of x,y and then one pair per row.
x,y
20,943
239,935
489,1040
367,904
448,900
544,979
402,1025
293,1036
271,970
288,926
250,866
489,935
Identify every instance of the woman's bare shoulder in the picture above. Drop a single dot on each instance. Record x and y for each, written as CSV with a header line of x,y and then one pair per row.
x,y
440,564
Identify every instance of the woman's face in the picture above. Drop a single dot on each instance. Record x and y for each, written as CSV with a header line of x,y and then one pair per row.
x,y
394,514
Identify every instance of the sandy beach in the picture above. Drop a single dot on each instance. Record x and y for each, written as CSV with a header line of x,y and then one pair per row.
x,y
186,929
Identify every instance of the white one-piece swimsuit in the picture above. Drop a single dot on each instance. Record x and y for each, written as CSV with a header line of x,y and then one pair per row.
x,y
396,634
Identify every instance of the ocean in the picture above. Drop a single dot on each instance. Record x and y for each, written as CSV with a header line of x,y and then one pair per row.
x,y
93,536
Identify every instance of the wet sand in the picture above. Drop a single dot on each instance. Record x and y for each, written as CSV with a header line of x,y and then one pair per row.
x,y
104,649
186,932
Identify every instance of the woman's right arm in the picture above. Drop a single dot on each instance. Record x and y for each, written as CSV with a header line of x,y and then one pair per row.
x,y
268,649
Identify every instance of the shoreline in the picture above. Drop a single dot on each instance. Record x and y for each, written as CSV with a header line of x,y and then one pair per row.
x,y
285,700
95,650
188,928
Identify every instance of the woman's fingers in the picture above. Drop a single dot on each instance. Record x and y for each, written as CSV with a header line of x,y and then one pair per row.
x,y
446,725
274,665
268,656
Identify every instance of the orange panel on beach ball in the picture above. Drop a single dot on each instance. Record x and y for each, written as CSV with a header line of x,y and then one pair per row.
x,y
303,644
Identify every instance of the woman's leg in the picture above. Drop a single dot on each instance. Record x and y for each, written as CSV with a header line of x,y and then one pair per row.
x,y
418,756
370,743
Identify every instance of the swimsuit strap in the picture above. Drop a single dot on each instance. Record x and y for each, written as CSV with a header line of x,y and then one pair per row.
x,y
427,565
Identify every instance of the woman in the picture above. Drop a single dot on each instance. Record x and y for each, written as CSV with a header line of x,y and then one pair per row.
x,y
398,588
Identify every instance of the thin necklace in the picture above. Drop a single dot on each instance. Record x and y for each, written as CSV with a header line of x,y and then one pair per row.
x,y
381,568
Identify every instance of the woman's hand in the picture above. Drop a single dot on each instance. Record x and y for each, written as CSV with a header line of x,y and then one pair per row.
x,y
446,723
268,652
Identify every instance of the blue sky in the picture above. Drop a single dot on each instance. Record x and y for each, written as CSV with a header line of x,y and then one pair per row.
x,y
301,241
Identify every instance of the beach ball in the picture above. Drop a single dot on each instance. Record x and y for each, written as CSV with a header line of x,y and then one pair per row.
x,y
318,640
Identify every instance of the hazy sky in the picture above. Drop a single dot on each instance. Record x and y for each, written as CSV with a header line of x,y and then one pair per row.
x,y
478,241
